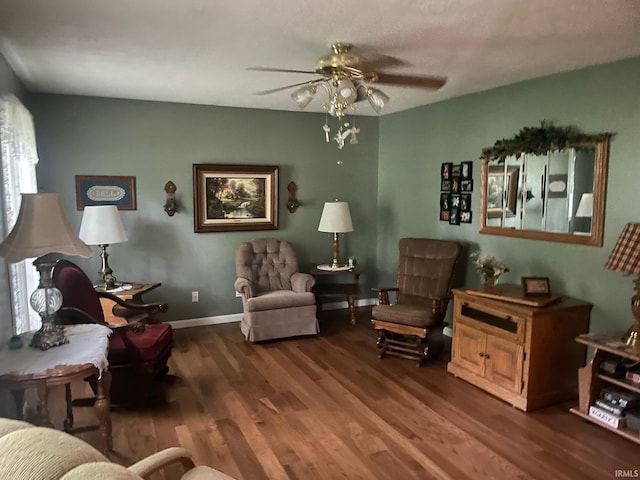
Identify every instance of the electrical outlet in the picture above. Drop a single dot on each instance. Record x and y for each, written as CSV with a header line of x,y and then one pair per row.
x,y
195,297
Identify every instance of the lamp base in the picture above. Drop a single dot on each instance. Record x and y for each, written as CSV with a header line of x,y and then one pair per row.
x,y
47,300
632,337
50,335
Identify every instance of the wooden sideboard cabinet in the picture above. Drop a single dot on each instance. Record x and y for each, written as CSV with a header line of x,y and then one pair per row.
x,y
524,355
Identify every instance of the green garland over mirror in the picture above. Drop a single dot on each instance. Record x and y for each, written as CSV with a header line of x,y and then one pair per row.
x,y
540,140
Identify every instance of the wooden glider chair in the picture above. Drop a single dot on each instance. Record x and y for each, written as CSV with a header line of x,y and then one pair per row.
x,y
423,290
276,298
139,349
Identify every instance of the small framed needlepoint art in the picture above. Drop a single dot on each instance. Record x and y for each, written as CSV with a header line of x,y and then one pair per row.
x,y
105,190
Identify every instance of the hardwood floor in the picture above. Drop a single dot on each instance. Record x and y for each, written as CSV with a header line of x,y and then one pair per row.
x,y
326,408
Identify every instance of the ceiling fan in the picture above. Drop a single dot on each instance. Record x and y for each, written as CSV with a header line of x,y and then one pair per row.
x,y
348,78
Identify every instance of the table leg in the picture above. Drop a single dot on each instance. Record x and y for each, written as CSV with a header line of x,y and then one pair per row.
x,y
352,309
68,422
18,396
43,397
102,406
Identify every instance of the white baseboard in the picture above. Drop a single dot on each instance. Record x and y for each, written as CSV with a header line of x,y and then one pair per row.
x,y
359,303
199,322
236,317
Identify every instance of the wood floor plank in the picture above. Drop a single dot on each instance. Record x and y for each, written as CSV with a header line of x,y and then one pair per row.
x,y
327,408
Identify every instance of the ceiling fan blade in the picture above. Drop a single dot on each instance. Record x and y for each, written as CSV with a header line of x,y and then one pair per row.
x,y
282,70
377,62
410,80
279,89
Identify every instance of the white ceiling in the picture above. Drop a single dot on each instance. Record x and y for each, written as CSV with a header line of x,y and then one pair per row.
x,y
198,51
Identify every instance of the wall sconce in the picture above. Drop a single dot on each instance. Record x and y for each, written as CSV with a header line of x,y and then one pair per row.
x,y
292,204
170,205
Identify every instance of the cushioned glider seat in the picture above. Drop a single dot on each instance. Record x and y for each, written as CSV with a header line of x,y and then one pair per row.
x,y
423,290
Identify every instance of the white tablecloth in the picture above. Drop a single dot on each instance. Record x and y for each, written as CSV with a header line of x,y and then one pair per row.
x,y
87,344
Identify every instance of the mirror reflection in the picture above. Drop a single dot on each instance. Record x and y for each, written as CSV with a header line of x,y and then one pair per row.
x,y
558,195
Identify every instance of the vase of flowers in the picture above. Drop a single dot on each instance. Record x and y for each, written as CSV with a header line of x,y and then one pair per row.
x,y
489,267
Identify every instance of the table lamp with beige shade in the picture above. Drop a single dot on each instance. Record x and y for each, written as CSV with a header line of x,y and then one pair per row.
x,y
101,225
41,230
335,219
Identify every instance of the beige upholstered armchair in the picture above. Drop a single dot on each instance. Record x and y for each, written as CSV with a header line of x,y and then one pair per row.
x,y
276,298
423,290
39,453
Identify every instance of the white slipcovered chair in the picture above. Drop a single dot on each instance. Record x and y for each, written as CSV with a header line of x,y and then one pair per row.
x,y
38,453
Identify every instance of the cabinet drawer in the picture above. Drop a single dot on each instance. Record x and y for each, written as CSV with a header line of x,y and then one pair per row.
x,y
490,321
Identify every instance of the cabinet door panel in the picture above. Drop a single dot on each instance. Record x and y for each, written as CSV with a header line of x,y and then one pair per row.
x,y
503,363
468,348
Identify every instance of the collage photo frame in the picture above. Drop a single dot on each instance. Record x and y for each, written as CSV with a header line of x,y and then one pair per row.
x,y
456,185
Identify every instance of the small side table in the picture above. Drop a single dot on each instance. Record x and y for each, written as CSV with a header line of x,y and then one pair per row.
x,y
350,290
133,294
84,356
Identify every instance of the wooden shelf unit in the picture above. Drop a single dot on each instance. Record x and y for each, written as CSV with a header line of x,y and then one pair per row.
x,y
591,381
522,354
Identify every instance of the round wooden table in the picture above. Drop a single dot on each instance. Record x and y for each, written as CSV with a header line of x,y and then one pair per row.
x,y
66,363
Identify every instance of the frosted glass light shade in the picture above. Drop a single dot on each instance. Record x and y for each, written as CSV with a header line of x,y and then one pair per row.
x,y
377,99
101,225
42,227
347,90
335,218
304,95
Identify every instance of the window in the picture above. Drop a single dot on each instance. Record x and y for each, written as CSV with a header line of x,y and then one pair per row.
x,y
18,157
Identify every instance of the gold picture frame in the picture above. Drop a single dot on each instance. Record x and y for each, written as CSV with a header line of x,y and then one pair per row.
x,y
235,197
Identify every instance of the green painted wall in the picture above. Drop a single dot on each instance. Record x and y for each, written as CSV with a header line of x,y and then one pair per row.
x,y
395,197
414,143
157,142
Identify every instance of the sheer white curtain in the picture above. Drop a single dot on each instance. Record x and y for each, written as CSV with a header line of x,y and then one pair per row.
x,y
19,158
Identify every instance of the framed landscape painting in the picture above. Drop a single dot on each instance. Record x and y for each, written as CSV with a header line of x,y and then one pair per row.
x,y
235,197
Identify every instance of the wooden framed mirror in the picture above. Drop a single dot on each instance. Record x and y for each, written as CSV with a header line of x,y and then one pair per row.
x,y
554,195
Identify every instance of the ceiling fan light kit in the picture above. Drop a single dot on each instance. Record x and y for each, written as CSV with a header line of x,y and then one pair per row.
x,y
346,77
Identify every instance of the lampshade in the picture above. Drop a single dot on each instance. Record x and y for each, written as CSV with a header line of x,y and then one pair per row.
x,y
625,256
101,225
42,227
377,99
347,90
335,218
585,207
304,95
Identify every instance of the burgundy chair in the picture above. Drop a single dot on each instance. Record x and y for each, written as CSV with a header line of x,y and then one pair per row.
x,y
139,349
